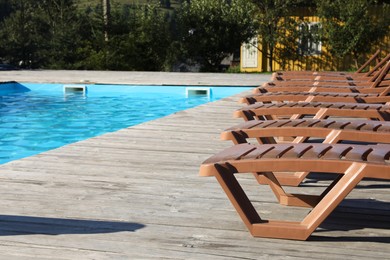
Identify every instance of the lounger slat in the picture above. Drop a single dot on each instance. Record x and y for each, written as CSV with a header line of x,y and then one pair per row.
x,y
355,125
383,128
234,153
297,151
247,125
260,151
277,151
335,152
379,155
313,151
357,153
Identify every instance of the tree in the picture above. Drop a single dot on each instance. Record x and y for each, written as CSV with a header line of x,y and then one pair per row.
x,y
139,38
21,35
40,34
5,8
62,37
276,27
165,3
106,4
92,49
152,38
145,47
211,30
349,28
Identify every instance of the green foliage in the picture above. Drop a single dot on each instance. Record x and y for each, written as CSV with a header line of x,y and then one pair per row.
x,y
5,8
54,34
169,4
155,34
349,28
145,45
234,69
22,35
213,29
276,27
40,34
165,3
62,36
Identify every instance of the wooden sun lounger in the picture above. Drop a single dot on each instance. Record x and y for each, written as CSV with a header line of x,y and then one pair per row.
x,y
332,80
301,130
330,130
352,163
381,98
324,89
358,72
316,110
320,80
377,86
285,75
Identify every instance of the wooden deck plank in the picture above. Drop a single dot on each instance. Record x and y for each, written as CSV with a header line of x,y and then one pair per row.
x,y
136,194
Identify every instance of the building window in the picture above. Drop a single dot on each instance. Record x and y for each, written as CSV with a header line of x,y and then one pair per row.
x,y
309,40
250,54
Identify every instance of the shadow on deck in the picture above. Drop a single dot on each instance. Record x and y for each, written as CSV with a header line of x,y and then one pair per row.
x,y
25,225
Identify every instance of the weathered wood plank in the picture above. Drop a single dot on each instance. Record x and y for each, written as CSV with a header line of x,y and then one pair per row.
x,y
136,194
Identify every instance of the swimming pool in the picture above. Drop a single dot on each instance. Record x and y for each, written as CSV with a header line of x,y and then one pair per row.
x,y
39,117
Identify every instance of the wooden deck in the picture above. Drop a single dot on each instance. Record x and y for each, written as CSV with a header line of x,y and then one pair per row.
x,y
136,194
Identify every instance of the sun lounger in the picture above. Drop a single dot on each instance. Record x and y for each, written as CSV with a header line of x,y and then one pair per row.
x,y
329,75
305,110
306,130
321,81
326,89
273,116
358,72
352,163
316,110
377,86
381,98
330,130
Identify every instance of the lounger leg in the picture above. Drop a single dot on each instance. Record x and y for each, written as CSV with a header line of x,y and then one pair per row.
x,y
269,228
288,180
330,187
333,198
286,229
287,199
302,230
237,196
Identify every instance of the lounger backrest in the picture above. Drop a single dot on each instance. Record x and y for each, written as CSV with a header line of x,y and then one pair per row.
x,y
332,131
317,109
382,75
378,66
243,156
368,62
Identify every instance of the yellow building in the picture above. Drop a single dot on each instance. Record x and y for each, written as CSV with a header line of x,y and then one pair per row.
x,y
313,55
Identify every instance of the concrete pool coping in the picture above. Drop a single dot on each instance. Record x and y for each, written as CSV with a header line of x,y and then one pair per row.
x,y
134,77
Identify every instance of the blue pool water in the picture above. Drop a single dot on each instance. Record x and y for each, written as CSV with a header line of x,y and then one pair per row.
x,y
39,117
